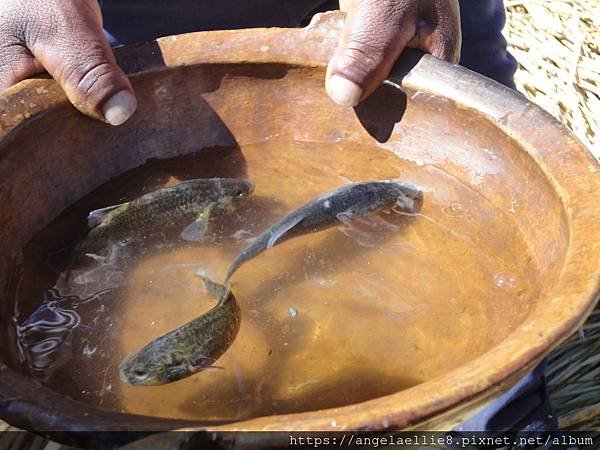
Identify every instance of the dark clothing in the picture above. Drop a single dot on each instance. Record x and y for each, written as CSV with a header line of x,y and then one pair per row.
x,y
526,405
525,408
129,21
483,46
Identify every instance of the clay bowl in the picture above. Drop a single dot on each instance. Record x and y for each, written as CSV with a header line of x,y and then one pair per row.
x,y
229,88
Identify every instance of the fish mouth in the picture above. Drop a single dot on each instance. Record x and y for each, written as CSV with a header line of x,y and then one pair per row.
x,y
250,186
240,190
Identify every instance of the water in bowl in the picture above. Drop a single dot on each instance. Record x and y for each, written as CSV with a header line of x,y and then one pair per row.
x,y
361,310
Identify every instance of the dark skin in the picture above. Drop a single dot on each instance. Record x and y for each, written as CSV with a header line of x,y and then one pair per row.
x,y
64,37
375,34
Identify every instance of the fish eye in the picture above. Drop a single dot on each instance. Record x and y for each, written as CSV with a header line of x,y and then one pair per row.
x,y
239,194
140,375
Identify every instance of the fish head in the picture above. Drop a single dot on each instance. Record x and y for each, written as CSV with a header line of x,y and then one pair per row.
x,y
408,197
228,192
151,367
233,189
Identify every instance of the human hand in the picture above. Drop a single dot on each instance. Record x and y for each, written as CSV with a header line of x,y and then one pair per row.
x,y
376,32
65,38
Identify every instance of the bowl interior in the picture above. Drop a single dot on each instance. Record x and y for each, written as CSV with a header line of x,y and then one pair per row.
x,y
403,307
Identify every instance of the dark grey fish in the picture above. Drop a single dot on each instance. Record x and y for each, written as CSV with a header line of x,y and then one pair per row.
x,y
190,348
345,202
185,208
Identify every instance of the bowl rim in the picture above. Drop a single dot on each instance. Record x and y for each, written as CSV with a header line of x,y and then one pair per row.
x,y
562,162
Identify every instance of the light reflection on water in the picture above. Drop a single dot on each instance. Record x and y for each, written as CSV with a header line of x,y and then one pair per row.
x,y
44,337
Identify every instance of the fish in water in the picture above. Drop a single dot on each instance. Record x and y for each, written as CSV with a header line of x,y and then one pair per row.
x,y
190,348
346,202
185,208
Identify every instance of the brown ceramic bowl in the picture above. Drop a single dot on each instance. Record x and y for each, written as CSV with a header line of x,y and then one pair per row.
x,y
216,89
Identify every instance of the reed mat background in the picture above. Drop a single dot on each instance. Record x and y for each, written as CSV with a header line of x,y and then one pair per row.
x,y
557,45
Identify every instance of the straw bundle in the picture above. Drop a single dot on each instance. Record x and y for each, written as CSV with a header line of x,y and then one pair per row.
x,y
557,45
558,48
573,377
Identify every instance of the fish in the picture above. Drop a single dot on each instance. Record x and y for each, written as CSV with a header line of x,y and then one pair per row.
x,y
185,208
189,349
348,201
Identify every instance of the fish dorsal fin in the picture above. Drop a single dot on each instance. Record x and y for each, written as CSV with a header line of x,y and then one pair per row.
x,y
284,229
96,216
195,231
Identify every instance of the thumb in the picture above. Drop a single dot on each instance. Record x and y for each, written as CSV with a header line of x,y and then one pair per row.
x,y
375,33
75,52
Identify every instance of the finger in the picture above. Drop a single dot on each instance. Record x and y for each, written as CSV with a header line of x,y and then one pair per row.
x,y
375,33
75,52
346,5
16,64
438,31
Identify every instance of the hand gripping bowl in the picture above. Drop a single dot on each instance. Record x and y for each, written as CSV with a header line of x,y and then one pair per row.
x,y
235,87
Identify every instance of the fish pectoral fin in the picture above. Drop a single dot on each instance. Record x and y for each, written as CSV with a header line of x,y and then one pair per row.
x,y
199,361
96,216
349,214
195,231
284,229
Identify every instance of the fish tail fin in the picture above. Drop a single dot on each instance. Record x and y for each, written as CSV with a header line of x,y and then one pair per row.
x,y
220,291
255,248
263,242
235,265
410,191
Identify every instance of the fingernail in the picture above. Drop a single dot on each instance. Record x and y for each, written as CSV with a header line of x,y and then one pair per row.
x,y
342,91
119,107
